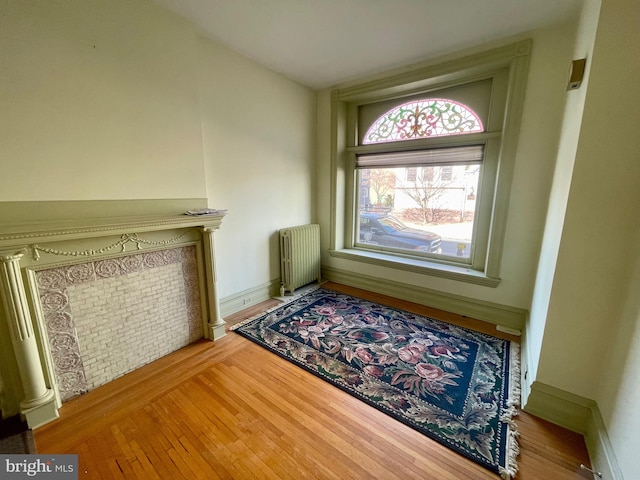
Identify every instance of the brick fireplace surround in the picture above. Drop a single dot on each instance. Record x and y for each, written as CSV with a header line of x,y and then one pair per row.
x,y
86,302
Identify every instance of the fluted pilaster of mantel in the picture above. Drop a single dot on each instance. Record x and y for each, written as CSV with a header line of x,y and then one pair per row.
x,y
38,405
216,325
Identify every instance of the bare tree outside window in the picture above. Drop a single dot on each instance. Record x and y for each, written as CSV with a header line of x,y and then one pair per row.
x,y
428,187
382,182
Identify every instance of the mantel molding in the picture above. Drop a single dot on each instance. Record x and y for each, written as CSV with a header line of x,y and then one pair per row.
x,y
14,236
82,239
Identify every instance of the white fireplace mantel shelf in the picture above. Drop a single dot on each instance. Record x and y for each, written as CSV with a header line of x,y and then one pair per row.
x,y
23,234
39,401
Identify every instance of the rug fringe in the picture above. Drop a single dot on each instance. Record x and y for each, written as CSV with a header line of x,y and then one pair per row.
x,y
513,450
514,376
513,403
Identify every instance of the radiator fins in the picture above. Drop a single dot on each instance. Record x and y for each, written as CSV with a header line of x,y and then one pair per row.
x,y
299,256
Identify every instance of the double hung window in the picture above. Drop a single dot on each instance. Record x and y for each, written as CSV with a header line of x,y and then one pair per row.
x,y
420,200
427,164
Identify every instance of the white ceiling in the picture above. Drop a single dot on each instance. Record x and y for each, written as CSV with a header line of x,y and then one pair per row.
x,y
320,43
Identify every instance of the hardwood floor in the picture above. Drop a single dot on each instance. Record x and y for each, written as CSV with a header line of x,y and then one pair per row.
x,y
231,409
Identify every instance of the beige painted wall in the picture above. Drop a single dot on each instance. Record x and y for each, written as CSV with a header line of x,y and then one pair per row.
x,y
259,150
604,199
537,147
112,100
590,345
618,394
117,107
566,154
99,100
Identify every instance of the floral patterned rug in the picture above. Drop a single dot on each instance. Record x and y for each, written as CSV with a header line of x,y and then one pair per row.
x,y
456,386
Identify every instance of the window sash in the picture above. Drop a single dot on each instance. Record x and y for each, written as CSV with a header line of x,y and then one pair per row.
x,y
431,157
475,244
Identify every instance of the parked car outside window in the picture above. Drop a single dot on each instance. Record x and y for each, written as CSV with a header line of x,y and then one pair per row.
x,y
388,231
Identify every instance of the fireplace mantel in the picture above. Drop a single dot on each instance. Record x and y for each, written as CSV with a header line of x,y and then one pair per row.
x,y
28,246
24,234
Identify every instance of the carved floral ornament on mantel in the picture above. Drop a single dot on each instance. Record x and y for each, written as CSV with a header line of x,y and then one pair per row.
x,y
122,243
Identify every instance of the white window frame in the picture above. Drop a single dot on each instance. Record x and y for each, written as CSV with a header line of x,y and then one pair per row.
x,y
508,67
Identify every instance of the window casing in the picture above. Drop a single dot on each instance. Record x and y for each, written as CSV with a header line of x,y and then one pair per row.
x,y
490,84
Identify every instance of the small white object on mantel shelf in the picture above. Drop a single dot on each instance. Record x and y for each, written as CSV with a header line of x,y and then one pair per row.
x,y
205,211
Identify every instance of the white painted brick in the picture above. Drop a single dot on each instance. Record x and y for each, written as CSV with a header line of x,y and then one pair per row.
x,y
129,320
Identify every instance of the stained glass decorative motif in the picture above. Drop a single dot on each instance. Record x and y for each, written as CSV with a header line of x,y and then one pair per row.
x,y
431,117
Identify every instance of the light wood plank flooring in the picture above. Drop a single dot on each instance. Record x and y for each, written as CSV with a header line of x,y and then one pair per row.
x,y
231,409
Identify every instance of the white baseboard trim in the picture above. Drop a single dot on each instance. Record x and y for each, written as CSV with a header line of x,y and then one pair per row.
x,y
247,298
578,414
570,411
510,317
600,449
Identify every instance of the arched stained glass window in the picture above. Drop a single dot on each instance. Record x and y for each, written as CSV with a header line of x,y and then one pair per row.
x,y
431,117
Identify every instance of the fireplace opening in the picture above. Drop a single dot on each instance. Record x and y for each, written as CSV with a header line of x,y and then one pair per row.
x,y
107,317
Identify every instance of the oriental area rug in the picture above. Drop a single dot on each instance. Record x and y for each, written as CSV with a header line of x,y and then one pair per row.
x,y
454,385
